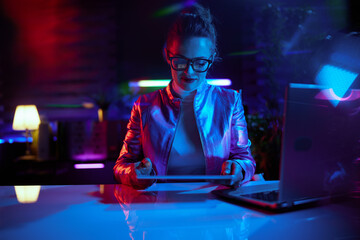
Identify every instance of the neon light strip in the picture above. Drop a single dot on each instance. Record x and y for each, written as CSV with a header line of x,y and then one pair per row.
x,y
64,105
89,165
219,82
244,53
305,85
153,83
15,139
165,82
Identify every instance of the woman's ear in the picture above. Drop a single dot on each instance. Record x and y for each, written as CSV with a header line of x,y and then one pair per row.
x,y
214,57
165,54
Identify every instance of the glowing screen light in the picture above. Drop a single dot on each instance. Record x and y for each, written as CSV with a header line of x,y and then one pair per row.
x,y
337,79
89,165
27,194
165,82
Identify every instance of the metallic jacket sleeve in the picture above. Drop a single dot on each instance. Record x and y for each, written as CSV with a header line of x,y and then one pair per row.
x,y
131,152
240,143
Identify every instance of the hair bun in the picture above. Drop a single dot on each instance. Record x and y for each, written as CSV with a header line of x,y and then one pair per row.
x,y
193,20
196,10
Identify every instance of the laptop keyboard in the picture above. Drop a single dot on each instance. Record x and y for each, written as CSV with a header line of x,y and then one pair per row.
x,y
268,196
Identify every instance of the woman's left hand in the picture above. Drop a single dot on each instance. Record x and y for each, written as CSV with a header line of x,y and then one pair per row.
x,y
231,167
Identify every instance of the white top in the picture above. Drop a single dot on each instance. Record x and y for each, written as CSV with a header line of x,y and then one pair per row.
x,y
186,155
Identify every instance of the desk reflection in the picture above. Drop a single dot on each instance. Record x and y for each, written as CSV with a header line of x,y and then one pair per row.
x,y
164,211
153,214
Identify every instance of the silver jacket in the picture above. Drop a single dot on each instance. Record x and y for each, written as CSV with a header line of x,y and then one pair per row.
x,y
220,120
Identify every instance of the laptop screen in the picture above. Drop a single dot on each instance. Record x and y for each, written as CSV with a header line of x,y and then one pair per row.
x,y
320,142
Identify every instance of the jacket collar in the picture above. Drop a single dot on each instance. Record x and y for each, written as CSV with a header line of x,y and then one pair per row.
x,y
169,92
172,97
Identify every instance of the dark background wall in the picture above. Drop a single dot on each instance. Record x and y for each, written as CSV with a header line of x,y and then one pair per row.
x,y
70,57
60,54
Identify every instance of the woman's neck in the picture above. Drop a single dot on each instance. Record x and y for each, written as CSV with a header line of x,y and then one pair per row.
x,y
180,91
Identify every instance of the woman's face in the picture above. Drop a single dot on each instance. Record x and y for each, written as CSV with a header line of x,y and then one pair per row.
x,y
191,47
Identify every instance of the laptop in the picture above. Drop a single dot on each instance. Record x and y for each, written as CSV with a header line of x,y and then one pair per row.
x,y
319,144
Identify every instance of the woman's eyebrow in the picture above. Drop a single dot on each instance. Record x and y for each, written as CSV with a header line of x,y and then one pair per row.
x,y
179,55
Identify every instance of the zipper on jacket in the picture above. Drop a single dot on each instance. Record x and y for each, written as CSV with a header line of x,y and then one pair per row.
x,y
201,135
173,138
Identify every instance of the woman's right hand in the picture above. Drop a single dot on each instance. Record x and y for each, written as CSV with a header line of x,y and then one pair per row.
x,y
143,168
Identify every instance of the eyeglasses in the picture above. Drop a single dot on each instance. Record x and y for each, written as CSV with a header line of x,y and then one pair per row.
x,y
181,63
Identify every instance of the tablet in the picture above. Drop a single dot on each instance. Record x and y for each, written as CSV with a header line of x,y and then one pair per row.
x,y
189,177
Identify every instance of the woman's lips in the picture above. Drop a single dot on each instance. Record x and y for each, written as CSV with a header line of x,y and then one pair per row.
x,y
188,80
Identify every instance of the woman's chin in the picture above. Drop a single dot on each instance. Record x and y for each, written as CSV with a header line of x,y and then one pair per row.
x,y
190,85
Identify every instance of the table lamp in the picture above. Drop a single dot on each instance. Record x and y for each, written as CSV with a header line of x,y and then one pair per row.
x,y
26,118
27,194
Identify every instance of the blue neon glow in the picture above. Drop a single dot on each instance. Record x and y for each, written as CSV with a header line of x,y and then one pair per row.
x,y
305,85
337,79
12,139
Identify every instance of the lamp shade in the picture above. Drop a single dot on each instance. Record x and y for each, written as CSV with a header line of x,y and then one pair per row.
x,y
27,194
26,117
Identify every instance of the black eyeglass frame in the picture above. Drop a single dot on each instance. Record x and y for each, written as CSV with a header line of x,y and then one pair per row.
x,y
191,62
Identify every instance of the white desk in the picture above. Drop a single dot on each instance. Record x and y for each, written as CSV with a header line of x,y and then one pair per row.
x,y
164,211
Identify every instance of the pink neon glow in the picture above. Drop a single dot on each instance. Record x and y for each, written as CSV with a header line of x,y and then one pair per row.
x,y
89,156
329,94
89,165
336,97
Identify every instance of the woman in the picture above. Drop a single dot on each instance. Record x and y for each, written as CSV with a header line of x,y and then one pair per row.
x,y
189,127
